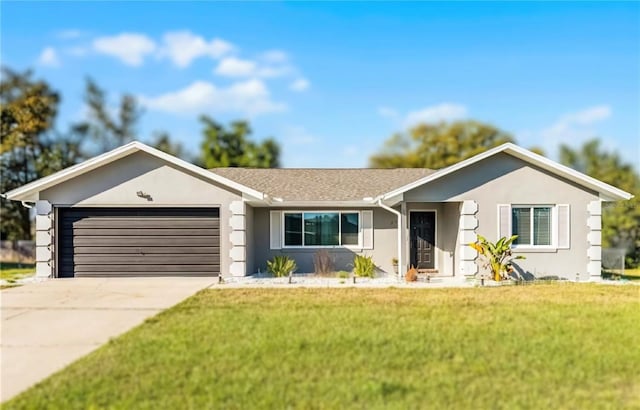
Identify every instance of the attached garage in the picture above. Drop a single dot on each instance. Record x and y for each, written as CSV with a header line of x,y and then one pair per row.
x,y
98,242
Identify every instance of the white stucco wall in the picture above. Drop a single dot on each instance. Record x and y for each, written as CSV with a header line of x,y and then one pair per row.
x,y
384,243
504,179
116,185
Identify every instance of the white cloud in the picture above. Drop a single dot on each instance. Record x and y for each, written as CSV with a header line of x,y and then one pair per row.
x,y
351,150
236,67
272,71
274,56
297,135
585,117
249,97
431,114
76,51
388,112
575,127
130,48
301,84
69,34
49,58
435,113
182,47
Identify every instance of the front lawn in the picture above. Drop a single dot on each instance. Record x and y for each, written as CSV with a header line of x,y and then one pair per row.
x,y
10,272
542,346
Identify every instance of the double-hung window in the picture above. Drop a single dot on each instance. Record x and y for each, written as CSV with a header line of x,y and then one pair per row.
x,y
532,224
321,228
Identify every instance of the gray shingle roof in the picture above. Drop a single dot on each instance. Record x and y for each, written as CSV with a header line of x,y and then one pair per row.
x,y
308,184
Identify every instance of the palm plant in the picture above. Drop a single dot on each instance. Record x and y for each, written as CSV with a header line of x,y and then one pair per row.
x,y
498,256
281,266
363,266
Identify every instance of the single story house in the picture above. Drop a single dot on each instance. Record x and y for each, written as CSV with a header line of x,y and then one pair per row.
x,y
138,211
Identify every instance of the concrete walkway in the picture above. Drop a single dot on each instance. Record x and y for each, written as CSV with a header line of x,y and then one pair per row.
x,y
47,325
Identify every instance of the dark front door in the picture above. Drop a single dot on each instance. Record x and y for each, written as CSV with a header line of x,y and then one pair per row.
x,y
423,238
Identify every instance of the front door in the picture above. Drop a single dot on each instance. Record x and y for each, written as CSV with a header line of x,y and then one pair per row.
x,y
423,238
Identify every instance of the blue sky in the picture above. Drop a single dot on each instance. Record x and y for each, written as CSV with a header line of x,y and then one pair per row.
x,y
332,81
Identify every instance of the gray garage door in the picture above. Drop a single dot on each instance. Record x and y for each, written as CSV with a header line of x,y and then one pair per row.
x,y
138,242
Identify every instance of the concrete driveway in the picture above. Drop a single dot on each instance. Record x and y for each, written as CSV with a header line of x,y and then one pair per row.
x,y
48,325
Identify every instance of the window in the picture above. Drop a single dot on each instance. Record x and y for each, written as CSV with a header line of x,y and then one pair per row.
x,y
321,229
532,224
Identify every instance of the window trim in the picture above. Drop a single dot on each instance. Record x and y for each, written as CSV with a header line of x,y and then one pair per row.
x,y
554,227
359,245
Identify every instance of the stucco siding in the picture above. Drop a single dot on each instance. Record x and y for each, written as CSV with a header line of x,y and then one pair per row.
x,y
116,185
504,179
384,243
250,234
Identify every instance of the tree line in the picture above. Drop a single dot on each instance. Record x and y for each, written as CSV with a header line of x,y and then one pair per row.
x,y
31,147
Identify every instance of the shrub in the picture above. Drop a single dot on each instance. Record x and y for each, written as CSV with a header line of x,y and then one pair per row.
x,y
363,266
343,274
322,262
281,266
498,256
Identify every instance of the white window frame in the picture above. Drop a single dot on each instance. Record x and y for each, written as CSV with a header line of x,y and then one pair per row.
x,y
358,246
554,226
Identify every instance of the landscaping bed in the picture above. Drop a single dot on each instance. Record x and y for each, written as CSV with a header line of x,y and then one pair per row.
x,y
562,345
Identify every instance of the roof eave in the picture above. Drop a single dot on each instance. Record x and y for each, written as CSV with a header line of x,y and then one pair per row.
x,y
27,192
606,191
319,203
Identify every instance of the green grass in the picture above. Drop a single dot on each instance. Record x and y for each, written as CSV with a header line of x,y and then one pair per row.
x,y
11,271
627,274
546,346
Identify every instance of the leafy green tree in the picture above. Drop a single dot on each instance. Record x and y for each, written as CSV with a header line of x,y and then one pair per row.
x,y
232,147
620,220
28,108
106,129
438,145
163,142
30,148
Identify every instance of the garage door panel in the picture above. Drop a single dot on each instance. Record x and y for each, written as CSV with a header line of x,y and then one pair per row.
x,y
137,259
96,223
145,212
147,269
128,274
139,232
139,242
91,240
213,249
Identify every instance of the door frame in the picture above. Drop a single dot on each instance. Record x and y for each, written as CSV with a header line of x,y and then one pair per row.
x,y
435,236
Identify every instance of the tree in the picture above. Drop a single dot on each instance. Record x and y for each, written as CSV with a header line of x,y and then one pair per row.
x,y
28,109
232,148
107,130
620,220
163,142
438,145
30,148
